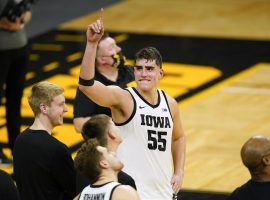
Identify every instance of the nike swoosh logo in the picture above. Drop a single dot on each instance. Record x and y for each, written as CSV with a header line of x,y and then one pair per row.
x,y
141,107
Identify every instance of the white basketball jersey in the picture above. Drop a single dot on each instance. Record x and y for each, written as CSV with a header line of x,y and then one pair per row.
x,y
146,147
100,192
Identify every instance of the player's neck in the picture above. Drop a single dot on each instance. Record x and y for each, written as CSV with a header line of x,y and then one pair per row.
x,y
112,146
105,177
41,123
151,96
261,178
109,72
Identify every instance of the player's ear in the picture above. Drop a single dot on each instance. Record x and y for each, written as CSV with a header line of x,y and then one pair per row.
x,y
43,108
266,160
111,135
104,164
100,59
161,72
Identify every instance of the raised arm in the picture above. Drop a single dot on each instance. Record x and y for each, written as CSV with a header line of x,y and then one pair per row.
x,y
107,96
178,147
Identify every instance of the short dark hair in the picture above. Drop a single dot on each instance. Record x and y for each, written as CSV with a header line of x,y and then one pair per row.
x,y
87,160
252,154
149,53
97,127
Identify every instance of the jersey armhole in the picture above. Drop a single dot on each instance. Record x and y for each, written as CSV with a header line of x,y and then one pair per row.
x,y
113,191
167,102
133,112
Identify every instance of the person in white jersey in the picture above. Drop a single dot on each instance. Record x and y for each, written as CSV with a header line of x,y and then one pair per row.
x,y
153,148
101,168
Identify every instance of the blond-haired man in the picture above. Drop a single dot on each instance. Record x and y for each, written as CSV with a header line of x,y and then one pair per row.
x,y
43,166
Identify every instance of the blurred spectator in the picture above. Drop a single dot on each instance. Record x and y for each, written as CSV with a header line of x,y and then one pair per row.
x,y
255,156
8,190
13,62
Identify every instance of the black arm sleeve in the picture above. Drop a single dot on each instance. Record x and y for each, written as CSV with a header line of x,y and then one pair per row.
x,y
126,179
83,106
63,171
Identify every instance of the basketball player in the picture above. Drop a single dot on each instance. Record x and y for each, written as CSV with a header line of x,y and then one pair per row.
x,y
149,120
101,168
104,130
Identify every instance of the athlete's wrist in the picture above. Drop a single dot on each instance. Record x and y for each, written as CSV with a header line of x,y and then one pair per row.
x,y
179,172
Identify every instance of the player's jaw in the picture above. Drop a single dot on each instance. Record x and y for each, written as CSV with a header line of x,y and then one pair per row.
x,y
147,74
146,83
61,119
57,120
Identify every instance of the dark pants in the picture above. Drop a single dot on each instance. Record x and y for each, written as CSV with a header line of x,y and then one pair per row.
x,y
13,65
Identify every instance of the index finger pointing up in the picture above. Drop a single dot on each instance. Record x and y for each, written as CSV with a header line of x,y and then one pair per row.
x,y
101,15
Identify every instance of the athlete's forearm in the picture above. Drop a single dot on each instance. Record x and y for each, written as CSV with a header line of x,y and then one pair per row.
x,y
88,63
179,154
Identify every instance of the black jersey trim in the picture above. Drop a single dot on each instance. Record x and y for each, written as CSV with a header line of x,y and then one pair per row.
x,y
141,97
113,190
132,114
167,102
98,186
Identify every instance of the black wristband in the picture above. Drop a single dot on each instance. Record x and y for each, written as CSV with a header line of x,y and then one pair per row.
x,y
85,82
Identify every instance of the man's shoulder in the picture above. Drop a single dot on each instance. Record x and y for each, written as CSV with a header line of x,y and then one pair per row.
x,y
28,134
59,145
126,74
127,69
126,179
242,192
124,175
168,97
170,100
124,192
39,136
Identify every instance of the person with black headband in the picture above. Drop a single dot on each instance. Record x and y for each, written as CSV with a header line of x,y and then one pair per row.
x,y
110,70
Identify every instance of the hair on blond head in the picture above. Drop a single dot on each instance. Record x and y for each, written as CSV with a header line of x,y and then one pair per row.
x,y
43,92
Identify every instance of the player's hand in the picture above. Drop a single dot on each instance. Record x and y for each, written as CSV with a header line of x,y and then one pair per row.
x,y
7,25
176,182
95,30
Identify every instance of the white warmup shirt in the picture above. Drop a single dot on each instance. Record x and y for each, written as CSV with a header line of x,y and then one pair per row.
x,y
146,147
